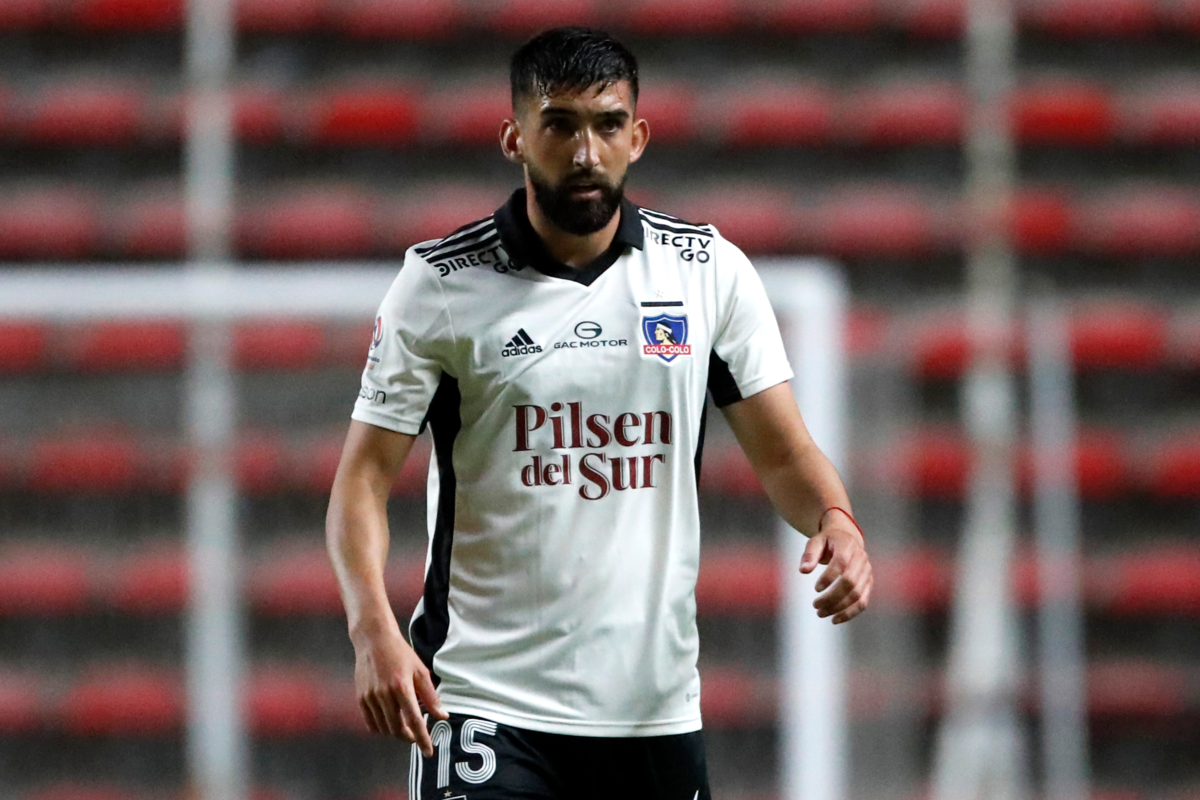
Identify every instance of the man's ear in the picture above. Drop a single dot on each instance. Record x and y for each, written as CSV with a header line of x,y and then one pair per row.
x,y
641,135
511,143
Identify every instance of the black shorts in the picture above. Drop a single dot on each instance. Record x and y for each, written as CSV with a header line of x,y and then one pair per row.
x,y
478,759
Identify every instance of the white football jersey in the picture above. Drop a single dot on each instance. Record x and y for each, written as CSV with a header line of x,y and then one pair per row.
x,y
567,412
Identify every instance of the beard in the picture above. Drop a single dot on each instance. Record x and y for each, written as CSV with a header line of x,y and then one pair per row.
x,y
576,216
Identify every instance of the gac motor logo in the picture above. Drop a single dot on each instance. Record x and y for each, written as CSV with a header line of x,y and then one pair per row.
x,y
563,426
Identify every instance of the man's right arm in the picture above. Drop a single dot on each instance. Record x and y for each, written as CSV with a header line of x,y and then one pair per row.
x,y
390,680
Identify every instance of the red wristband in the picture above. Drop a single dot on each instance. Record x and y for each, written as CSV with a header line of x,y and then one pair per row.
x,y
821,521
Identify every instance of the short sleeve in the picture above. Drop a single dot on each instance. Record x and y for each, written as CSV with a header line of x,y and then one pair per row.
x,y
747,353
410,347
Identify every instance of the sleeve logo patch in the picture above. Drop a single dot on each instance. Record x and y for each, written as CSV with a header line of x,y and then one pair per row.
x,y
377,334
666,337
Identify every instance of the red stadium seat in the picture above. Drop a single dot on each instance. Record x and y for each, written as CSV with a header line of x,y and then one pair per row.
x,y
278,345
414,20
1043,222
1175,467
737,698
89,463
53,224
725,470
152,228
124,700
904,114
1102,470
524,17
314,223
931,19
766,115
1184,341
1142,221
439,212
1063,113
317,463
877,223
820,16
1086,19
149,345
260,462
22,346
1165,116
867,332
43,581
280,703
378,115
17,15
1184,15
469,114
1118,335
670,111
281,16
682,17
128,15
149,583
757,219
738,580
86,114
19,704
297,583
1134,688
258,114
1161,582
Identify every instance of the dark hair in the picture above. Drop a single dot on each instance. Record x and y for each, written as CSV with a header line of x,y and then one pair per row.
x,y
570,59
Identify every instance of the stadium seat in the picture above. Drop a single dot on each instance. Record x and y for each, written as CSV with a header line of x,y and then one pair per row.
x,y
1063,113
260,460
22,347
819,16
931,19
670,108
1137,688
328,222
43,580
1166,116
903,114
437,212
525,17
681,17
284,703
468,114
85,462
735,698
259,114
20,15
132,700
151,345
371,114
295,583
1184,16
876,223
741,580
413,20
1184,340
1174,469
1141,221
75,114
150,583
49,224
150,228
127,15
19,704
1089,19
278,345
775,115
757,219
1160,582
1125,335
1043,222
725,471
281,16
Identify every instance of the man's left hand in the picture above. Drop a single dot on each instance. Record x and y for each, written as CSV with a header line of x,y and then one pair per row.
x,y
844,588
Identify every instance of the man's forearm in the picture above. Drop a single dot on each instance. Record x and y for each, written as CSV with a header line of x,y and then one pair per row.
x,y
802,486
356,535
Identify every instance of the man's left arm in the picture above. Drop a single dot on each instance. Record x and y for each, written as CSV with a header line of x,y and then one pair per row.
x,y
807,492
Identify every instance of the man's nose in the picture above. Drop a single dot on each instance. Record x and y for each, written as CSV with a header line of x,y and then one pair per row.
x,y
587,154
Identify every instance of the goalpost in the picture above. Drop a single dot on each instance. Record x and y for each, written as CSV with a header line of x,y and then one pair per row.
x,y
809,297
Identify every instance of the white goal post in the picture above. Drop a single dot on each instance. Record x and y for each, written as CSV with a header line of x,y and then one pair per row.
x,y
810,299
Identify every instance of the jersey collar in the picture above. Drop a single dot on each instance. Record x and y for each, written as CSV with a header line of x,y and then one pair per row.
x,y
524,245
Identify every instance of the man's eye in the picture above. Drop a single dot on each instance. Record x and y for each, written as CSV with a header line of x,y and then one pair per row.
x,y
559,125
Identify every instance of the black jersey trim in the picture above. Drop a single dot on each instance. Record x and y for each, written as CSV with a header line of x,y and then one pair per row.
x,y
491,238
666,219
721,383
696,459
475,228
428,631
659,226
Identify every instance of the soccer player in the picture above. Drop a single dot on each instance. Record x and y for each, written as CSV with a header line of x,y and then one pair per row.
x,y
560,352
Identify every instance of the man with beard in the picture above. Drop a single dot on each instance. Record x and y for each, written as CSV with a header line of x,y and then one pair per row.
x,y
555,645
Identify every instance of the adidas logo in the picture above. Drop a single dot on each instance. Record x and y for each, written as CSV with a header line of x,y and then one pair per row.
x,y
521,345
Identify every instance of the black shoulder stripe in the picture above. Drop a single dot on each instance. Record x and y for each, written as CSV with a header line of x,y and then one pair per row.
x,y
439,250
658,216
658,226
469,229
462,251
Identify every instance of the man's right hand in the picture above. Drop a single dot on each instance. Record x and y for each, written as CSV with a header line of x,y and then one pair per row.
x,y
392,684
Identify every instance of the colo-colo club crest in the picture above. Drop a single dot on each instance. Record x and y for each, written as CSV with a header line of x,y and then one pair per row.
x,y
666,337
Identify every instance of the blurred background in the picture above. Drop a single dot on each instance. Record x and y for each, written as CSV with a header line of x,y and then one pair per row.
x,y
833,128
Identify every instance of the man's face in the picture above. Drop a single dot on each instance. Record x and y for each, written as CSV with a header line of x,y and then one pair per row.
x,y
576,149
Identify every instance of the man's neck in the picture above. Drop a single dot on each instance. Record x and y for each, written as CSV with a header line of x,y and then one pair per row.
x,y
567,248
